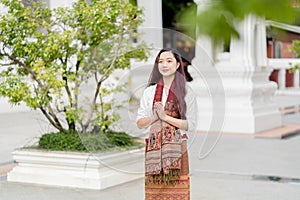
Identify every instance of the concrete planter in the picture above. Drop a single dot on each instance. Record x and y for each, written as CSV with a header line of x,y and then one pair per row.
x,y
79,170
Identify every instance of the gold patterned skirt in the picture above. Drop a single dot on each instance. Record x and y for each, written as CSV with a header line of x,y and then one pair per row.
x,y
176,190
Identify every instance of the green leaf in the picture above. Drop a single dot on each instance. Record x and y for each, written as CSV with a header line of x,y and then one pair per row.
x,y
55,51
217,19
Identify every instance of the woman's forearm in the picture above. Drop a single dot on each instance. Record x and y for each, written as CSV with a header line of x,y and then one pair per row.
x,y
146,121
179,123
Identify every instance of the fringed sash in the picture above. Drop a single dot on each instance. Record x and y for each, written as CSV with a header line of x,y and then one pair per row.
x,y
163,148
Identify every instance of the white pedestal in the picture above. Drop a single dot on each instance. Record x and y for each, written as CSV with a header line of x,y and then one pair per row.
x,y
233,100
78,170
250,107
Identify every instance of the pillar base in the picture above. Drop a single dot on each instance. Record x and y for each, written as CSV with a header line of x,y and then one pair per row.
x,y
245,105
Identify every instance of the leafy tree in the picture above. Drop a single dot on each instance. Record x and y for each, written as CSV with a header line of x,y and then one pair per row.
x,y
48,55
218,19
295,48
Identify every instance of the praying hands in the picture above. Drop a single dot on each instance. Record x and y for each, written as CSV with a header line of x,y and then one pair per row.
x,y
159,110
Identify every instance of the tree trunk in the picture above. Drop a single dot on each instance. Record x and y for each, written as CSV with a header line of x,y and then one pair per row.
x,y
71,125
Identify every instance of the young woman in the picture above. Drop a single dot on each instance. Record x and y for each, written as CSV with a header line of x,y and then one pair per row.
x,y
168,108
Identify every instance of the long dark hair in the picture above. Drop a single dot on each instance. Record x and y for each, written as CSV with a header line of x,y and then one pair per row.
x,y
179,80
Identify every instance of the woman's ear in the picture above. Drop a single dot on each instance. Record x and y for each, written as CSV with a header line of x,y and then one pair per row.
x,y
178,64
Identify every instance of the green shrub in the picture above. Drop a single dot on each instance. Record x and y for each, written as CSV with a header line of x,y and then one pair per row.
x,y
61,142
120,139
96,142
92,142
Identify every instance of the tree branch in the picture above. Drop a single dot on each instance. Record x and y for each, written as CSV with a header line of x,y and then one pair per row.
x,y
34,75
40,84
57,126
64,77
56,123
77,84
103,78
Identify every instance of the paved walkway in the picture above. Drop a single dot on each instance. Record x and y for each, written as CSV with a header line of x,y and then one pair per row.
x,y
230,167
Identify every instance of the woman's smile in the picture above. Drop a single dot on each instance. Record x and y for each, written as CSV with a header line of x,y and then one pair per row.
x,y
167,64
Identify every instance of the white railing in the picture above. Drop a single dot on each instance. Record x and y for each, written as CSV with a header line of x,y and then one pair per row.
x,y
283,64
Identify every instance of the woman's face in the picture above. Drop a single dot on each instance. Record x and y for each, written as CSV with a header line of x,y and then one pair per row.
x,y
167,64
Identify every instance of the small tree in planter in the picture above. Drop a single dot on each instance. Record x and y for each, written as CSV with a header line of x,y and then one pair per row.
x,y
49,55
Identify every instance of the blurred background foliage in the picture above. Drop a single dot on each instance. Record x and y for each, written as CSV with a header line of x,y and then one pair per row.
x,y
217,19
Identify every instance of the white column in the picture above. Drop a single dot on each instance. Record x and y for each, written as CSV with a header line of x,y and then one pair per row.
x,y
261,43
242,51
296,78
203,72
281,78
152,33
204,49
152,25
245,81
249,93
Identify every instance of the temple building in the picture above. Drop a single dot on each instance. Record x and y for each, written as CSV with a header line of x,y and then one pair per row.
x,y
235,86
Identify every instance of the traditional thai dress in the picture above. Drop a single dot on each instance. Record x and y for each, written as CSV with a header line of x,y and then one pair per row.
x,y
166,156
